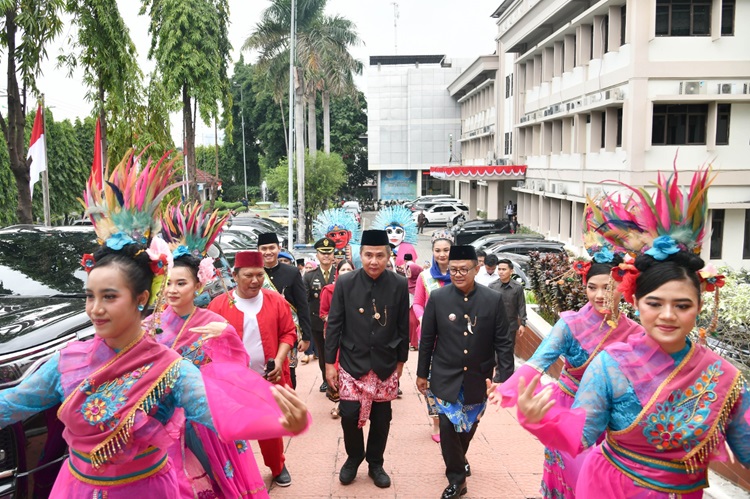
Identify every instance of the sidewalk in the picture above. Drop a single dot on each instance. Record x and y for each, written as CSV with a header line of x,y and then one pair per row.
x,y
506,462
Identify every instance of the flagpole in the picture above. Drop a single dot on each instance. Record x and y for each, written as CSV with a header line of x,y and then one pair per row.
x,y
45,176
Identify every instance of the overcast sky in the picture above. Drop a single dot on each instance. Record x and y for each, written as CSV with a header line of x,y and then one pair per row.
x,y
459,29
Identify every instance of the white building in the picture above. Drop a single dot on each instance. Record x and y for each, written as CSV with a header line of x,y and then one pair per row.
x,y
412,123
613,90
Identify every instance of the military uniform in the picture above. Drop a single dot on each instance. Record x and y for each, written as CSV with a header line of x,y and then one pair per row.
x,y
314,283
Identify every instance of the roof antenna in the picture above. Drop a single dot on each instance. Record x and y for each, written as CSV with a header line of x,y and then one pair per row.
x,y
395,27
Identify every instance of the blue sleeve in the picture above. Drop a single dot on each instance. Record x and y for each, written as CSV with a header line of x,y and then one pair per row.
x,y
552,347
39,391
190,393
738,429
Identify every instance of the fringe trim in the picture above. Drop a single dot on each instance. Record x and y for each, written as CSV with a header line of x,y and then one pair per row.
x,y
119,438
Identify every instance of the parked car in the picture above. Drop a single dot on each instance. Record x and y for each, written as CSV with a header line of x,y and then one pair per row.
x,y
232,241
466,232
42,309
524,247
443,213
485,242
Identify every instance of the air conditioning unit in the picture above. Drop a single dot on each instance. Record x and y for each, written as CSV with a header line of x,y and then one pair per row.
x,y
520,184
593,192
556,108
692,87
553,187
724,88
540,185
560,188
618,94
746,88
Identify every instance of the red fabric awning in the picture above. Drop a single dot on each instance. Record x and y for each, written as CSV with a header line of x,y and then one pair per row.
x,y
491,172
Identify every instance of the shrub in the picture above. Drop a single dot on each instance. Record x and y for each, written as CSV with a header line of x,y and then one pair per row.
x,y
555,289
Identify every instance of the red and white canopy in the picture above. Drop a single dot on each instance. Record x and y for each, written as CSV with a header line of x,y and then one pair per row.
x,y
492,172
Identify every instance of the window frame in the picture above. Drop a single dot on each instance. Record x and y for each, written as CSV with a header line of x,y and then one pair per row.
x,y
666,8
693,114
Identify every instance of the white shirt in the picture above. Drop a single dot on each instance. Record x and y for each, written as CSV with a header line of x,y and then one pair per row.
x,y
484,278
250,307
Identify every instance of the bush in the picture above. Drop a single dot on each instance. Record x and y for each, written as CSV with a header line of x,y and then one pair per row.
x,y
555,288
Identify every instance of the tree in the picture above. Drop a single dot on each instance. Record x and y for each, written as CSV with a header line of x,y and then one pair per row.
x,y
103,48
9,201
324,176
191,47
27,28
348,126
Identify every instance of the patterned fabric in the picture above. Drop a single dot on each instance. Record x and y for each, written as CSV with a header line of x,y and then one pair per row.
x,y
366,390
195,353
102,405
462,416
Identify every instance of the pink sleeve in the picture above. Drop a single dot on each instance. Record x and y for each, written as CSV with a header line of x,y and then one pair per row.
x,y
560,429
242,404
509,389
420,298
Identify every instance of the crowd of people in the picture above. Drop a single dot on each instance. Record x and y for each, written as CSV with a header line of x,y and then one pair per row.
x,y
165,405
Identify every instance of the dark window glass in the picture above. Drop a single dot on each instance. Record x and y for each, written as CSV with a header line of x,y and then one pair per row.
x,y
679,124
717,233
662,20
683,17
727,17
623,17
723,113
619,127
605,33
603,135
746,244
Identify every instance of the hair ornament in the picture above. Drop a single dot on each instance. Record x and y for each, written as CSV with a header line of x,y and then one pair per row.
x,y
206,271
625,275
604,255
711,281
88,262
190,230
443,234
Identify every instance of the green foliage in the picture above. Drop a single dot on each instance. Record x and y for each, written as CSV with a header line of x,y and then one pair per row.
x,y
348,125
324,177
556,289
8,200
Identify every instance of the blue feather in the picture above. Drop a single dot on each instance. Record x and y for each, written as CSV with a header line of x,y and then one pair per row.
x,y
118,193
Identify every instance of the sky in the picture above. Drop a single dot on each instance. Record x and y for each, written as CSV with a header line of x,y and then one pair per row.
x,y
458,29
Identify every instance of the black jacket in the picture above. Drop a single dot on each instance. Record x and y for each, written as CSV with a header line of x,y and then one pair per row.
x,y
288,281
314,282
364,342
461,355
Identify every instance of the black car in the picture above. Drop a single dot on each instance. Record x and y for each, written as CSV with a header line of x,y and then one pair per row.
x,y
484,242
42,309
524,247
466,232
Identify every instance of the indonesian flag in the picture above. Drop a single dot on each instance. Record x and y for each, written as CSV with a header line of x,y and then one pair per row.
x,y
37,150
97,169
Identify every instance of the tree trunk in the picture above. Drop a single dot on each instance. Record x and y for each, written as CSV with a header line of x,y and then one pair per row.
x,y
312,139
14,129
214,184
103,123
299,131
189,124
326,122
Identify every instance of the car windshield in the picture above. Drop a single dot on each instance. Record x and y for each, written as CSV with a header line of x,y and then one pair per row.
x,y
43,263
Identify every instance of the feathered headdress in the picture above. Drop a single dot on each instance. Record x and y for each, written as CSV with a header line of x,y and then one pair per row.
x,y
328,220
400,216
190,230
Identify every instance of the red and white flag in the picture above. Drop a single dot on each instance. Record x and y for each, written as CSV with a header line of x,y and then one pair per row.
x,y
37,150
97,168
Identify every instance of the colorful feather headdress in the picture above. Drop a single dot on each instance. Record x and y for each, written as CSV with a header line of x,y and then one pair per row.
x,y
398,216
127,210
328,220
190,230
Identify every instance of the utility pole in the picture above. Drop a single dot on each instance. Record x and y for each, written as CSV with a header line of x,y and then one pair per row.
x,y
395,27
45,173
244,159
290,155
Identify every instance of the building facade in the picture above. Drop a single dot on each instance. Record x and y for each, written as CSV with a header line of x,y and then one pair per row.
x,y
617,90
412,123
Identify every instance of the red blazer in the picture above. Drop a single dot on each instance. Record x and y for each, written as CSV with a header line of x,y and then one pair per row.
x,y
274,321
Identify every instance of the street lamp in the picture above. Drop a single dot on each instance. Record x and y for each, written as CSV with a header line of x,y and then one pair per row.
x,y
244,160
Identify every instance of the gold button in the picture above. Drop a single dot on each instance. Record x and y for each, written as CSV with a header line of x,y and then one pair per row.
x,y
466,368
466,299
361,310
465,352
466,316
466,334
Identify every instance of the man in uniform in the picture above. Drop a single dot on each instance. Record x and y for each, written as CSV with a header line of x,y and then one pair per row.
x,y
463,329
368,329
314,282
287,281
264,322
514,300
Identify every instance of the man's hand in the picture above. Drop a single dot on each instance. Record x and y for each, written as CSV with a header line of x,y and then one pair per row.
x,y
275,375
422,385
400,369
332,376
303,345
521,330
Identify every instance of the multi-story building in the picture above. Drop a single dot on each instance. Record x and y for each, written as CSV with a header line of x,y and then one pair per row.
x,y
617,90
412,123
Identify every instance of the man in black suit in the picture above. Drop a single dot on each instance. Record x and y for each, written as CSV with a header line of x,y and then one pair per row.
x,y
368,329
463,328
314,282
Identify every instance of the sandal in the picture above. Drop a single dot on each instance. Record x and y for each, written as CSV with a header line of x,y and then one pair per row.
x,y
335,412
304,359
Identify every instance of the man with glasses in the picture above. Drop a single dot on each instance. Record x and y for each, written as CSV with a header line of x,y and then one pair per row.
x,y
464,329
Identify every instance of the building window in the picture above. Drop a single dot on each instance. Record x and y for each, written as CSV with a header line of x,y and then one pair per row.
x,y
683,17
605,33
717,233
623,16
679,124
509,86
727,17
746,245
723,111
619,127
603,136
508,143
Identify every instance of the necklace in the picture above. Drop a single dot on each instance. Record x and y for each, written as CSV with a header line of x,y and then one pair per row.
x,y
469,323
184,324
376,315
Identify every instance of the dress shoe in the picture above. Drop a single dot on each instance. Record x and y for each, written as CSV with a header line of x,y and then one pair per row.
x,y
468,469
380,477
348,472
283,479
324,387
454,491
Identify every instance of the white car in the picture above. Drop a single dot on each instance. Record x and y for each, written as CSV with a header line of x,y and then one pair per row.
x,y
444,213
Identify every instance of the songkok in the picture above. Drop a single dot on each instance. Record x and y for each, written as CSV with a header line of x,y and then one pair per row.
x,y
375,238
408,257
301,261
244,259
267,238
462,253
325,245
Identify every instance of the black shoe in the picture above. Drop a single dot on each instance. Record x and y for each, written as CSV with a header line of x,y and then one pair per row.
x,y
468,469
323,387
398,395
454,491
380,477
348,472
283,479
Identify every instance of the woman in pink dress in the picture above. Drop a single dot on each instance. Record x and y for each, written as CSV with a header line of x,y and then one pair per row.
x,y
429,280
